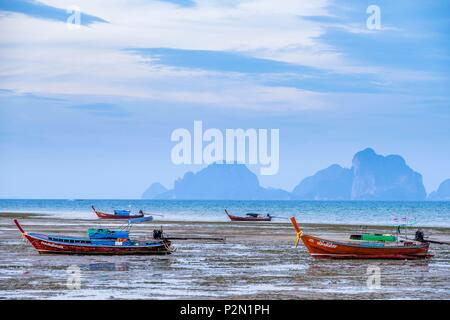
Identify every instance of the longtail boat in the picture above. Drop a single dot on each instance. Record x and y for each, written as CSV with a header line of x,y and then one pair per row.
x,y
99,241
249,217
384,247
118,214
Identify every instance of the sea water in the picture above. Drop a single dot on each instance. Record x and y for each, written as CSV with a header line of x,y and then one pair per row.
x,y
384,213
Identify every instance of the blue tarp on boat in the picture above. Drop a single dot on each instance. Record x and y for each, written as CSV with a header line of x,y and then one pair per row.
x,y
122,212
107,234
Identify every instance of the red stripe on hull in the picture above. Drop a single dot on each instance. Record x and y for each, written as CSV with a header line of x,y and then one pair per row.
x,y
321,248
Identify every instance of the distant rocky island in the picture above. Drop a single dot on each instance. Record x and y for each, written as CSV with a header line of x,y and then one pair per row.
x,y
442,193
218,182
371,177
153,191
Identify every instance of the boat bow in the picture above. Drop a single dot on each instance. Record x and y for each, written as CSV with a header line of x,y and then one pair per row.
x,y
298,230
22,231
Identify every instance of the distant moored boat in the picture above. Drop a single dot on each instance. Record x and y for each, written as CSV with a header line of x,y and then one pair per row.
x,y
249,217
118,214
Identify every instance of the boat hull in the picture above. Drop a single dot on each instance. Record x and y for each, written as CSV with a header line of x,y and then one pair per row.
x,y
329,249
237,218
103,215
45,246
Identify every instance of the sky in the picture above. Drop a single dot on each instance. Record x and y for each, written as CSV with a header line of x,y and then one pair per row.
x,y
88,112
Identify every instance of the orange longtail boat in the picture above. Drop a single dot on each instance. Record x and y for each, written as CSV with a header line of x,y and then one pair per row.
x,y
356,249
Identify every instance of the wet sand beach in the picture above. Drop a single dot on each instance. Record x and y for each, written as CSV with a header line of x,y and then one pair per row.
x,y
257,261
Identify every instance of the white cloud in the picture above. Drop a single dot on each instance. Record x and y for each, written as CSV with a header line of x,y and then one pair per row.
x,y
46,57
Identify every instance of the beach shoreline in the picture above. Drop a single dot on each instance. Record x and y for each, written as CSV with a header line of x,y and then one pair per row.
x,y
284,222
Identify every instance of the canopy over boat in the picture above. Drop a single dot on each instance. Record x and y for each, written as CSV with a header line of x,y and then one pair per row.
x,y
251,214
374,237
107,234
122,212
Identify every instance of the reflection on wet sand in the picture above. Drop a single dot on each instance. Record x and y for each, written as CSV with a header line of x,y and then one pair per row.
x,y
105,266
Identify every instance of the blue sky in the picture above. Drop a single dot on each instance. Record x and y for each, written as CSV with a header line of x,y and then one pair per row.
x,y
88,113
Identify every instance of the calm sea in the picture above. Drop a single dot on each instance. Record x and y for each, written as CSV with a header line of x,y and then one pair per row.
x,y
426,213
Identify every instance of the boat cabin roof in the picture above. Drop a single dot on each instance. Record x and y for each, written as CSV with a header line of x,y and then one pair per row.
x,y
67,239
251,214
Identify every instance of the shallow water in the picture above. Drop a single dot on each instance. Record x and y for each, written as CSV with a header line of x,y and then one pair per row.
x,y
255,262
423,213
